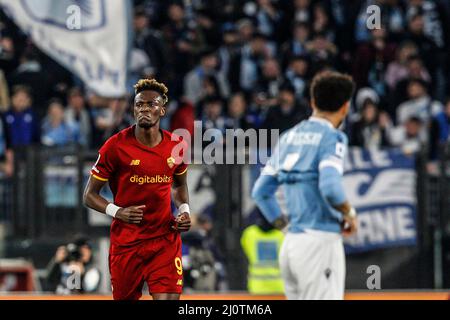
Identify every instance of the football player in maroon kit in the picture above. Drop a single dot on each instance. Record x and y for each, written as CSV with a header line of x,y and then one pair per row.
x,y
142,172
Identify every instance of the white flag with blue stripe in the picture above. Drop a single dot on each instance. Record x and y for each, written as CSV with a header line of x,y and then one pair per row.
x,y
89,37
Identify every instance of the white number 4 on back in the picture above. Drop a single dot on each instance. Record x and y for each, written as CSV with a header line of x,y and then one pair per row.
x,y
290,161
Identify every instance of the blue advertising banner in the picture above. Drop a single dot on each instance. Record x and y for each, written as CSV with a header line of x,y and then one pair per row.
x,y
381,185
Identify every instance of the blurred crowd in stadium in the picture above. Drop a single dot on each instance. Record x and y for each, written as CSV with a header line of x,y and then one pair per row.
x,y
245,64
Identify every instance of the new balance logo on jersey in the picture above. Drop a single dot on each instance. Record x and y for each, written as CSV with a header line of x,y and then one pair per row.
x,y
135,162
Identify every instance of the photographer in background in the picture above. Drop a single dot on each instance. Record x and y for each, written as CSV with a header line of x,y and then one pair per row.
x,y
71,271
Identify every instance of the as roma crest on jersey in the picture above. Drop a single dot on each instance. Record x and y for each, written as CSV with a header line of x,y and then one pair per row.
x,y
170,162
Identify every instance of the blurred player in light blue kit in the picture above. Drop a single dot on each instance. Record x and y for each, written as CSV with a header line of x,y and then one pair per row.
x,y
308,165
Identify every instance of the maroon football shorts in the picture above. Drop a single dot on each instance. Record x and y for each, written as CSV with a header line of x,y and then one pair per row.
x,y
155,261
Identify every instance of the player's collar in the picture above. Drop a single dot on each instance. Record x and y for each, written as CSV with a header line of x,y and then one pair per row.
x,y
321,120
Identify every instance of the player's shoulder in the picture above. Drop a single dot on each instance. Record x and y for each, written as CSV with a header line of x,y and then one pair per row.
x,y
327,130
172,137
335,136
119,137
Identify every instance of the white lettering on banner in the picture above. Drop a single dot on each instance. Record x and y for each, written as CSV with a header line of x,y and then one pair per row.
x,y
389,186
379,226
377,159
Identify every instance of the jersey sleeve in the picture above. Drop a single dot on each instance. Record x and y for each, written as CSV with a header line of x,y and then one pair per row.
x,y
331,168
181,157
106,161
332,152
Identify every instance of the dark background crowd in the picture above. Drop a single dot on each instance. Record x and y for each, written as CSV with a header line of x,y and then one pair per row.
x,y
245,64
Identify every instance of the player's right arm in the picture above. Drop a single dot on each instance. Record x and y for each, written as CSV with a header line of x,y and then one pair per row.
x,y
331,168
105,166
94,200
264,190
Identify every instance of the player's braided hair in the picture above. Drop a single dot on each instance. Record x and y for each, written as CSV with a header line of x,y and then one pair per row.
x,y
151,84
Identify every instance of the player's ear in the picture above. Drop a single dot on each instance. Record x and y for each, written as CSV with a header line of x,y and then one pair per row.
x,y
313,103
162,113
345,108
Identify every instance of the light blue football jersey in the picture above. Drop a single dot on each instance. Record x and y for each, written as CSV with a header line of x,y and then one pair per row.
x,y
308,163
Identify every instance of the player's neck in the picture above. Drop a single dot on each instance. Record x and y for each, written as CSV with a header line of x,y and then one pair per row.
x,y
149,137
333,119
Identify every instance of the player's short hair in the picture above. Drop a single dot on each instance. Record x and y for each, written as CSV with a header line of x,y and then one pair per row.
x,y
330,90
151,85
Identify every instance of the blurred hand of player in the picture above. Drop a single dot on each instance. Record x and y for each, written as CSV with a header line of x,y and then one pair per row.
x,y
349,225
133,214
281,222
182,222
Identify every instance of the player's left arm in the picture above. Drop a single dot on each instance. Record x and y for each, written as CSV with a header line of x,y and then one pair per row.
x,y
331,169
181,199
263,194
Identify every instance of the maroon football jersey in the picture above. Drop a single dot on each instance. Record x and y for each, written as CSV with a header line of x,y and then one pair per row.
x,y
140,175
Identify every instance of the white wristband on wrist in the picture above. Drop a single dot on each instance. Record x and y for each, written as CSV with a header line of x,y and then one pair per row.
x,y
184,208
352,213
111,210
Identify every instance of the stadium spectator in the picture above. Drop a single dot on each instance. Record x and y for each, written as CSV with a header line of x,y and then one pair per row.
x,y
209,87
322,23
6,153
435,23
443,122
121,116
228,48
78,116
71,270
370,131
270,80
261,243
102,117
398,69
427,48
151,41
4,93
183,117
55,130
322,51
213,118
415,70
296,46
419,104
245,31
237,112
193,82
21,122
267,17
7,53
31,73
302,11
297,75
287,112
371,61
202,261
245,67
409,136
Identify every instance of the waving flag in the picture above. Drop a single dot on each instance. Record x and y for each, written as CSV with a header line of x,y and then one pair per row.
x,y
89,37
